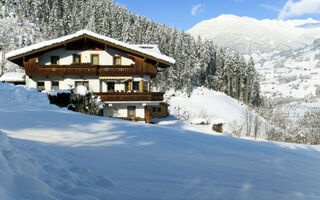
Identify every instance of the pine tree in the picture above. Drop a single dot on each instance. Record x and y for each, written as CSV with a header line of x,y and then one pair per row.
x,y
198,62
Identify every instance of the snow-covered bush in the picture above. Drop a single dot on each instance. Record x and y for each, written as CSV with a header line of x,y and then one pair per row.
x,y
79,99
88,104
310,126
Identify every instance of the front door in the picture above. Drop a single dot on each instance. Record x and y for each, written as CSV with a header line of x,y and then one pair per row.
x,y
131,112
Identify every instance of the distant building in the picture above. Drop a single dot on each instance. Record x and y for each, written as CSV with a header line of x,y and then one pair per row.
x,y
16,78
119,73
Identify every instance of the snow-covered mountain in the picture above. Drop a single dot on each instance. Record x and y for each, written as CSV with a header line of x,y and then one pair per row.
x,y
248,35
292,73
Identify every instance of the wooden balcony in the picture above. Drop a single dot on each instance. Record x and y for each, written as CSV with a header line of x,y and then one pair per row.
x,y
131,96
82,70
139,68
63,70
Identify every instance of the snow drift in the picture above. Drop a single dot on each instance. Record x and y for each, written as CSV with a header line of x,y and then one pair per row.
x,y
13,77
57,154
205,105
12,95
19,174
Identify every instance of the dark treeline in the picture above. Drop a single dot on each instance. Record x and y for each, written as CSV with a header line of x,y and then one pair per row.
x,y
198,62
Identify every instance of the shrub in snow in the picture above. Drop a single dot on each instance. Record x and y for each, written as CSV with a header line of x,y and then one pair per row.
x,y
81,90
217,125
310,126
60,99
79,100
199,121
88,103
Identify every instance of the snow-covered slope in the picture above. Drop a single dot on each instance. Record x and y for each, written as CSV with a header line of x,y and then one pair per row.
x,y
53,153
293,73
13,77
204,105
248,35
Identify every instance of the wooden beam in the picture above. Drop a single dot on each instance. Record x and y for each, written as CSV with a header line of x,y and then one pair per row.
x,y
130,85
141,86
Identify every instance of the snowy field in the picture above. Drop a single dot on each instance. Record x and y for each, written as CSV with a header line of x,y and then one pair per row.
x,y
53,153
205,105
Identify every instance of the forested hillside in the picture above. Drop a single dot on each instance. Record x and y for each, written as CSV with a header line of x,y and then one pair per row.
x,y
199,63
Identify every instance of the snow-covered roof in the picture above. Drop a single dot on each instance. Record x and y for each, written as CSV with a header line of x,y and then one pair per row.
x,y
156,54
148,47
13,77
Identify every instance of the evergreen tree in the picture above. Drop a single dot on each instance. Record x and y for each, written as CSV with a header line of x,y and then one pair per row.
x,y
198,62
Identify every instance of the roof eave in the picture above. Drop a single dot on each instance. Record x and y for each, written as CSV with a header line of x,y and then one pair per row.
x,y
13,58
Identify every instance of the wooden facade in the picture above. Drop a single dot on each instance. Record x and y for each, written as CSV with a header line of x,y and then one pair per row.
x,y
140,68
131,96
160,111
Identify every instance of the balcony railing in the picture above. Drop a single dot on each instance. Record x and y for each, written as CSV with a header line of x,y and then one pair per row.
x,y
131,96
86,70
139,68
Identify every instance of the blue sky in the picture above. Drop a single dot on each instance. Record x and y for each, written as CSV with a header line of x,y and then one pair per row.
x,y
186,13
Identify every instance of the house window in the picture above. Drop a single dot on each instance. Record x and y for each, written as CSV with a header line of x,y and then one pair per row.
x,y
76,58
84,83
159,109
54,60
55,85
117,60
95,59
40,86
136,85
145,86
126,86
154,109
131,111
110,86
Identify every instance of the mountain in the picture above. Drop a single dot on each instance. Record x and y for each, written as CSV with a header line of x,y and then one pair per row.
x,y
290,74
310,25
248,35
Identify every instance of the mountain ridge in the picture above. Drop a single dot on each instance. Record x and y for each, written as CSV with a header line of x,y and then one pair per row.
x,y
250,35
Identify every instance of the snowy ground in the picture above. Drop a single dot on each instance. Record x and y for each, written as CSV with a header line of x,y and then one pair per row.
x,y
52,153
205,105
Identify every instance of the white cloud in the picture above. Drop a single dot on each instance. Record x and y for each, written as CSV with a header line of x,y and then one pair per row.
x,y
196,9
299,8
